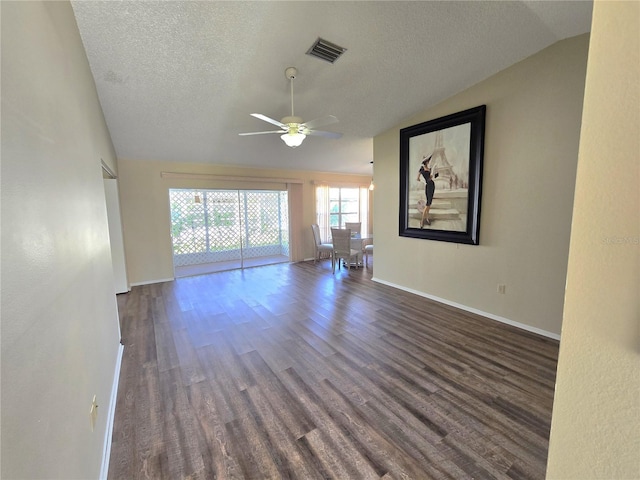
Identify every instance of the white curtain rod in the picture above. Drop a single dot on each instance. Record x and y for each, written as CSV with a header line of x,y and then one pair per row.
x,y
228,178
339,184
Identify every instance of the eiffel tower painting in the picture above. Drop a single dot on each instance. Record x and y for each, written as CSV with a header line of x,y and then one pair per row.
x,y
445,207
449,207
447,178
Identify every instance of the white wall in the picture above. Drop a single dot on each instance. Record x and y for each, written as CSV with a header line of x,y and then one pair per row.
x,y
531,150
595,430
60,339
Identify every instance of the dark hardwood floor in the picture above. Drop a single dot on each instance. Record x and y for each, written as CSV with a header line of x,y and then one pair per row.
x,y
288,371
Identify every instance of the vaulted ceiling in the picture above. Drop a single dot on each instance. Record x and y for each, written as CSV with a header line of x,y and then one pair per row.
x,y
178,80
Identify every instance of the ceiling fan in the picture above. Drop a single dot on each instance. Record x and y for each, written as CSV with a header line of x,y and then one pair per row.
x,y
293,129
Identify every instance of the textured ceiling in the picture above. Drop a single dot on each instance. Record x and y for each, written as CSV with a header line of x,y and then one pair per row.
x,y
177,80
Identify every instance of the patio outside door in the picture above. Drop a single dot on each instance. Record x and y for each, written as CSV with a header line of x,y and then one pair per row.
x,y
215,230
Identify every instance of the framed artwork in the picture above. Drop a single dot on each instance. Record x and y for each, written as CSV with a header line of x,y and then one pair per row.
x,y
441,177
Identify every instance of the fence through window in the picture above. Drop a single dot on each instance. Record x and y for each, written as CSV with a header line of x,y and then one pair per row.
x,y
226,229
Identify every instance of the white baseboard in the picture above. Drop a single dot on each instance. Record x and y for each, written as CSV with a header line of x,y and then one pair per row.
x,y
106,454
151,282
491,316
311,259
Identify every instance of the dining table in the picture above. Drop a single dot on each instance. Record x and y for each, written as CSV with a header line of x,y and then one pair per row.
x,y
357,243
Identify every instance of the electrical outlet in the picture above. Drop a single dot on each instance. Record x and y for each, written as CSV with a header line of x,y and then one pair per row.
x,y
502,288
93,413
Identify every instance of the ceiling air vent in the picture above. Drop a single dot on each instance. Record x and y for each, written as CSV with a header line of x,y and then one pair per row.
x,y
326,51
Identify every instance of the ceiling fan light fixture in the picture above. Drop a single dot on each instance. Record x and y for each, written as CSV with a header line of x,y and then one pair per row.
x,y
293,140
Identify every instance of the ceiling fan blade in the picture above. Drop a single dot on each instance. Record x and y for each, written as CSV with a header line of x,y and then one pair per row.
x,y
269,120
262,133
320,133
320,122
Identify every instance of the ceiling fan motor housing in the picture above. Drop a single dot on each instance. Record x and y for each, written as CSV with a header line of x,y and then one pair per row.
x,y
291,120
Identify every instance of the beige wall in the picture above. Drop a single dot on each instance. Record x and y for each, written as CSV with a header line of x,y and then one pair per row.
x,y
531,150
60,338
595,431
144,196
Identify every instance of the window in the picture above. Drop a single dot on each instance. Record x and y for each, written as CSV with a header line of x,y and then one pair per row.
x,y
344,206
337,205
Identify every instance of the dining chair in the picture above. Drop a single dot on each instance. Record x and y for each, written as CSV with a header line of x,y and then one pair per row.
x,y
341,238
355,227
319,246
368,249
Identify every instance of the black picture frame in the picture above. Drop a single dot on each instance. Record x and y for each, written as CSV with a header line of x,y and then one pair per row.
x,y
454,215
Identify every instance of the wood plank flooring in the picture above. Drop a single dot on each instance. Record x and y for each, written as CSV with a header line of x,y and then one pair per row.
x,y
288,371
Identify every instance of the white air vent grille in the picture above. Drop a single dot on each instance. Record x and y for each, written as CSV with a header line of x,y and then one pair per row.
x,y
325,50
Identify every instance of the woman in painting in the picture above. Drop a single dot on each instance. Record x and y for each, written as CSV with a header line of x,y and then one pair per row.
x,y
429,189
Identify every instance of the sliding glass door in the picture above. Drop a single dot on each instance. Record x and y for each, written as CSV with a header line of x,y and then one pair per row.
x,y
225,229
